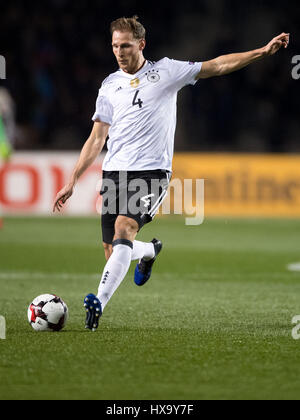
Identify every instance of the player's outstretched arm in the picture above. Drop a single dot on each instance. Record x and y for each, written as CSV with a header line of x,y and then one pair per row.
x,y
91,149
226,64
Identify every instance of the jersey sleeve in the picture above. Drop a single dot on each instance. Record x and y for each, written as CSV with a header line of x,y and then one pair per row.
x,y
183,73
104,109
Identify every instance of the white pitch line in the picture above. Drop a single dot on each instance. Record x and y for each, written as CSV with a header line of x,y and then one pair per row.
x,y
294,267
34,275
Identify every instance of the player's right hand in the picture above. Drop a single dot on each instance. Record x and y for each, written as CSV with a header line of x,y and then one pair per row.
x,y
62,196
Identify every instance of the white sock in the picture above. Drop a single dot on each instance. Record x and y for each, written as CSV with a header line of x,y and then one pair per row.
x,y
142,250
115,270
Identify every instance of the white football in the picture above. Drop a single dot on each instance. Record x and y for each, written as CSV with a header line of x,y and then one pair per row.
x,y
48,313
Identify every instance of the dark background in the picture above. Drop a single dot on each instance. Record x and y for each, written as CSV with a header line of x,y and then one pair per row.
x,y
59,51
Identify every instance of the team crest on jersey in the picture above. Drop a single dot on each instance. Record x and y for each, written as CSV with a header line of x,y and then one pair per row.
x,y
135,82
153,76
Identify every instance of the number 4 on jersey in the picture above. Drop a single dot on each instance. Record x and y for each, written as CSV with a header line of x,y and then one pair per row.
x,y
136,100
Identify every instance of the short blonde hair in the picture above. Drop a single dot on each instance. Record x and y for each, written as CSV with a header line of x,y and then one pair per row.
x,y
129,25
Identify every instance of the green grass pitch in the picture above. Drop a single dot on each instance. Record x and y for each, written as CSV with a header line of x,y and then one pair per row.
x,y
214,321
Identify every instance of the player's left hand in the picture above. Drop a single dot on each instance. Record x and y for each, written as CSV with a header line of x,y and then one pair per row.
x,y
277,43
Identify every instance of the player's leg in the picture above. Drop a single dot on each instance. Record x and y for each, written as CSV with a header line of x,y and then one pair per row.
x,y
92,304
107,250
119,262
142,250
120,249
115,270
143,270
118,234
158,182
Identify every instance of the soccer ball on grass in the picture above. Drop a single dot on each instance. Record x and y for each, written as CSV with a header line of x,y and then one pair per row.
x,y
48,313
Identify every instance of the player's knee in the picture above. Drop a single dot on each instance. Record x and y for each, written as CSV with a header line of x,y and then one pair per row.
x,y
125,228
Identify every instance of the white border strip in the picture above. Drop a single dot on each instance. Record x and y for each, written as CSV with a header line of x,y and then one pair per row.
x,y
294,267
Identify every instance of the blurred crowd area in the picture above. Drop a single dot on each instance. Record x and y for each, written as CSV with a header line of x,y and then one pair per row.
x,y
59,51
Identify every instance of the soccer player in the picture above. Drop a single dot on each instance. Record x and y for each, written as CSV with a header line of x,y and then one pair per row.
x,y
7,124
136,108
7,128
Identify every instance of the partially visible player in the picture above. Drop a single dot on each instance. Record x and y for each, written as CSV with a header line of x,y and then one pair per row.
x,y
7,127
5,147
136,107
7,124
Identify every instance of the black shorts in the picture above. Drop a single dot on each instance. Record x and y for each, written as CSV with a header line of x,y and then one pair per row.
x,y
137,195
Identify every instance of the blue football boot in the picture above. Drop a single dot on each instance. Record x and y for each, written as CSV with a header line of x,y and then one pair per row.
x,y
143,269
93,310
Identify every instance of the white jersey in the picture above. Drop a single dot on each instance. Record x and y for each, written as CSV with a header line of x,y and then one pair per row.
x,y
141,111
